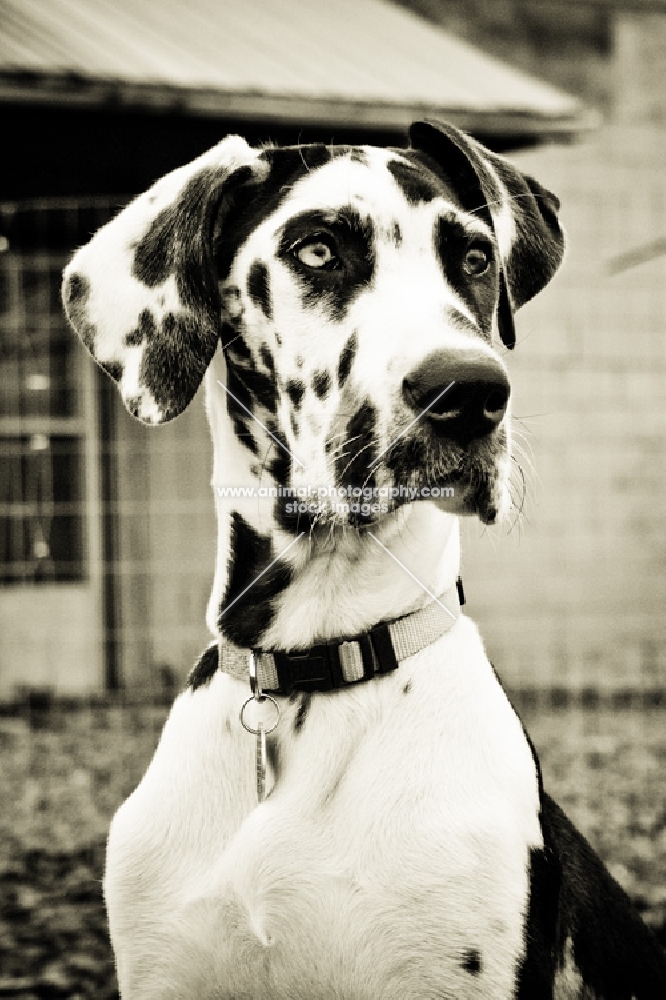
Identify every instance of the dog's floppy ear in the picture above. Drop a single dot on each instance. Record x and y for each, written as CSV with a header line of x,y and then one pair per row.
x,y
143,295
522,213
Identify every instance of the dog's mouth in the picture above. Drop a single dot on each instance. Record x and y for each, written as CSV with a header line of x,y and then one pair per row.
x,y
463,481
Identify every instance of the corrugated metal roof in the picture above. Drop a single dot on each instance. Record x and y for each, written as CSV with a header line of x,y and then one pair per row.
x,y
323,61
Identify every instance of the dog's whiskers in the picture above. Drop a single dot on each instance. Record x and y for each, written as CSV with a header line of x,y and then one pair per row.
x,y
522,486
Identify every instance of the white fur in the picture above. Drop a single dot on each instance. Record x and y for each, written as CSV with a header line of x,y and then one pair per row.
x,y
393,842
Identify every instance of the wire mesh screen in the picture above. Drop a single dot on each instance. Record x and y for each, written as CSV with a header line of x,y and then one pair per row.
x,y
42,499
106,531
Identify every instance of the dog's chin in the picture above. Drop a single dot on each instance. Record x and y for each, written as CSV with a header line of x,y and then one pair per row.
x,y
486,508
484,502
477,492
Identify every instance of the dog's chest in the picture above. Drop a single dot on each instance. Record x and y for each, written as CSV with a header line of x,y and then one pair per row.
x,y
362,875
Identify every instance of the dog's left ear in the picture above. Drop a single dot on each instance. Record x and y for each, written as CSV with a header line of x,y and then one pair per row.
x,y
143,294
522,213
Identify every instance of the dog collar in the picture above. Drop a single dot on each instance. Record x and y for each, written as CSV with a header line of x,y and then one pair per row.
x,y
332,665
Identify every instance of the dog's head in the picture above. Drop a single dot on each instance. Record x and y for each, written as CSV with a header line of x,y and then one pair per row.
x,y
359,295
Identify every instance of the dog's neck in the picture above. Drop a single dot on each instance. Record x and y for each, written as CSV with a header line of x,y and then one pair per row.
x,y
348,586
322,586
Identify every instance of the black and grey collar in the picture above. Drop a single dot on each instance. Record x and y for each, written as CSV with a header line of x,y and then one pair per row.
x,y
332,665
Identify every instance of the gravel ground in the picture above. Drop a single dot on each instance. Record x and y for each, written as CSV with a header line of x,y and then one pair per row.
x,y
65,772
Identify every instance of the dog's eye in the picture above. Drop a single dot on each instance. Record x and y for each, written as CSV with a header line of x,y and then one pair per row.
x,y
316,253
477,261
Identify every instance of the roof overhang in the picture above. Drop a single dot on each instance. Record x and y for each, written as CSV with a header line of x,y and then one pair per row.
x,y
352,63
282,109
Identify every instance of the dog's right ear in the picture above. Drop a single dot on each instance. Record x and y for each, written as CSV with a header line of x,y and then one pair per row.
x,y
143,293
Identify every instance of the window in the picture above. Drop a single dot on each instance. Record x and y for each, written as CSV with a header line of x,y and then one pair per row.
x,y
42,489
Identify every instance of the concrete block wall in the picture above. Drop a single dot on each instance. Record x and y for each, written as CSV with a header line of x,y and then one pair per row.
x,y
574,593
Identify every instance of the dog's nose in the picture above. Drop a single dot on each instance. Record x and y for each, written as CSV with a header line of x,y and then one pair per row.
x,y
465,395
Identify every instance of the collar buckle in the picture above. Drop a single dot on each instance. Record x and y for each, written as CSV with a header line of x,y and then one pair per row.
x,y
333,665
316,669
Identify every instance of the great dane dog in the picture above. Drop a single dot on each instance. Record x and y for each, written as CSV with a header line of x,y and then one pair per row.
x,y
343,803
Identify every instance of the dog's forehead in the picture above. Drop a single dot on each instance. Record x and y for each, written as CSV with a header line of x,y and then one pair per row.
x,y
378,182
361,174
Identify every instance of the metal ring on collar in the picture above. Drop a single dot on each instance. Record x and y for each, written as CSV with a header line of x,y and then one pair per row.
x,y
261,700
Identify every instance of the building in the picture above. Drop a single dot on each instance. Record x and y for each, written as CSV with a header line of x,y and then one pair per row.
x,y
106,527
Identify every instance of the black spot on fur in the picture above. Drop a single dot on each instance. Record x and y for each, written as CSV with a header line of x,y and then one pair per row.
x,y
260,386
347,359
405,454
357,155
238,350
146,329
295,391
471,962
267,357
321,383
75,296
112,368
245,435
415,184
232,305
278,339
302,712
294,423
259,289
133,404
246,620
286,160
204,669
228,332
397,234
480,293
279,465
171,365
243,428
336,285
239,401
353,469
407,688
88,334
